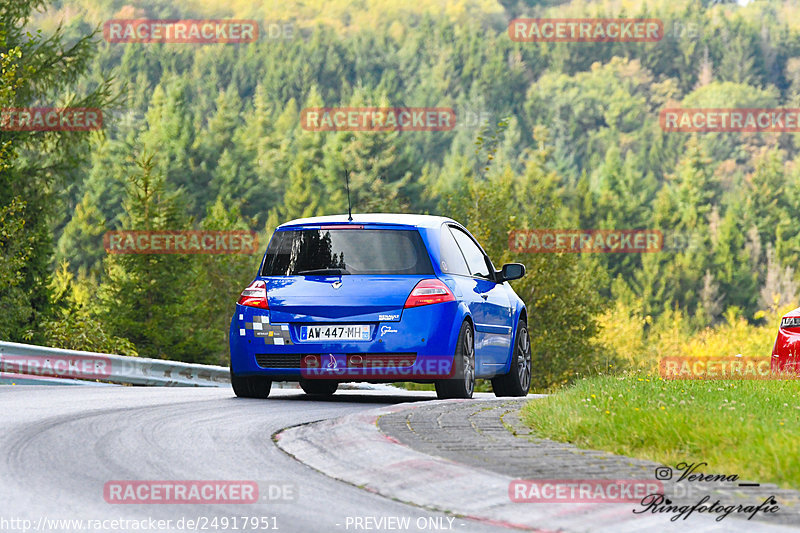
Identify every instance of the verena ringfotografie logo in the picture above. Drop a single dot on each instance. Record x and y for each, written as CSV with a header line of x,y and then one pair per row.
x,y
725,120
582,490
58,366
378,119
585,241
50,119
180,31
181,242
707,485
397,367
719,368
585,30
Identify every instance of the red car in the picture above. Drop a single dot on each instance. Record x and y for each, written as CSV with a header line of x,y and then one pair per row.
x,y
786,352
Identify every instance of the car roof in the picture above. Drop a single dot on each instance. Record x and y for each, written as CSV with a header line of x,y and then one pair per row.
x,y
421,221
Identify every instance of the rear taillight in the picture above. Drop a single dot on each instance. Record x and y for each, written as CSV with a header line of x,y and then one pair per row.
x,y
429,291
255,295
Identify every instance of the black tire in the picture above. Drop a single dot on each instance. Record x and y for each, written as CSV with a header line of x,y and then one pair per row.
x,y
518,380
319,387
462,385
250,386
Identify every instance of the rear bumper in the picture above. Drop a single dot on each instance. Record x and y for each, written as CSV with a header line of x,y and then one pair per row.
x,y
786,351
418,347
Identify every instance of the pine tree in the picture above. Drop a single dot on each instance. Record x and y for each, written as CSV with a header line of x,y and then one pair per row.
x,y
81,243
36,167
150,299
170,133
220,278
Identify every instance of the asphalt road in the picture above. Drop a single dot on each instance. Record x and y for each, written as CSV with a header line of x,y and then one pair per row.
x,y
61,446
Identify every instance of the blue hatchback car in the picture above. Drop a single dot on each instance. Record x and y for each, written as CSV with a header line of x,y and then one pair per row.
x,y
379,298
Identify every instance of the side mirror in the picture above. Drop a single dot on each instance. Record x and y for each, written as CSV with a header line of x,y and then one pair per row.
x,y
512,271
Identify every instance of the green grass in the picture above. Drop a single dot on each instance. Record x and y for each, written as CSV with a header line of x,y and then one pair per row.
x,y
750,428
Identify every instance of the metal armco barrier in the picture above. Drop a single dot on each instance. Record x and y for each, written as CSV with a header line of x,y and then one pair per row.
x,y
41,364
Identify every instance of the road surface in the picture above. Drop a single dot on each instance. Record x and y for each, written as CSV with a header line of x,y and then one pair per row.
x,y
61,447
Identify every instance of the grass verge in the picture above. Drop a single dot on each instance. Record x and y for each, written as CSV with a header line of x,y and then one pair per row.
x,y
750,428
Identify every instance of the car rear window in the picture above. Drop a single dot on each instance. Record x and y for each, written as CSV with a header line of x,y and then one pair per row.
x,y
352,251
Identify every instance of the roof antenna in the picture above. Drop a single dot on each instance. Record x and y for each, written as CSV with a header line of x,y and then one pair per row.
x,y
349,208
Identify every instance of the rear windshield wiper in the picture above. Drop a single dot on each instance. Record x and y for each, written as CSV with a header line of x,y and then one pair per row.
x,y
324,271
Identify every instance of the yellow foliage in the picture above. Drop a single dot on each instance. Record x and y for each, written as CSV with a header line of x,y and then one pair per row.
x,y
736,337
342,15
355,15
625,335
622,334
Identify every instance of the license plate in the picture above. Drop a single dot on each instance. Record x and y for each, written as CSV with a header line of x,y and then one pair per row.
x,y
338,333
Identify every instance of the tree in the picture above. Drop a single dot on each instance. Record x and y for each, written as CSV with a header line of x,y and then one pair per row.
x,y
150,299
82,239
78,325
378,173
767,202
219,279
682,206
265,148
780,287
35,166
171,134
491,209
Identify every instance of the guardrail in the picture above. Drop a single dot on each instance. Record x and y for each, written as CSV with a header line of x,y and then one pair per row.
x,y
27,363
